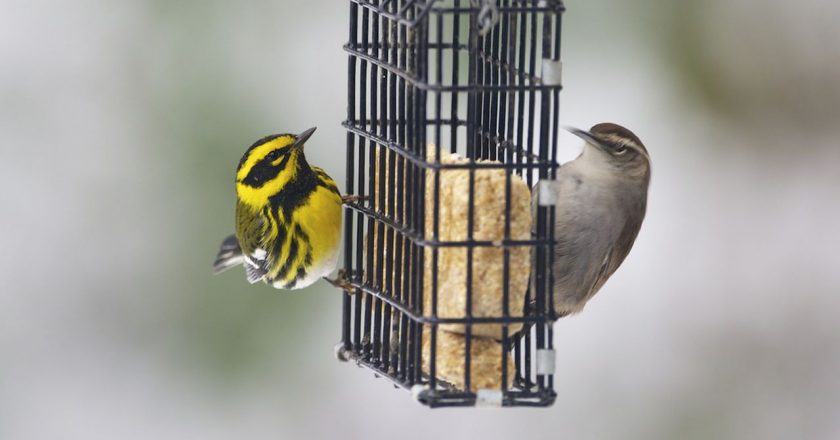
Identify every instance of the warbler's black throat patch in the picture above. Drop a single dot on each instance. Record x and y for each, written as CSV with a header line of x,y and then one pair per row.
x,y
297,190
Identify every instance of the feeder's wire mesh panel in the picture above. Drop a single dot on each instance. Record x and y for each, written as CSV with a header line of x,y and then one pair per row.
x,y
427,79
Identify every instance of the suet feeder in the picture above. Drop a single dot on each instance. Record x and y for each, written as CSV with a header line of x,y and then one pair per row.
x,y
452,110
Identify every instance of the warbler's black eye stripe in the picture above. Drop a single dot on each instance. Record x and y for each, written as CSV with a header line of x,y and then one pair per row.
x,y
259,142
256,144
260,174
265,170
283,162
274,154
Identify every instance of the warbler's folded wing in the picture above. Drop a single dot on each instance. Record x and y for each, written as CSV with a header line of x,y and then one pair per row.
x,y
251,229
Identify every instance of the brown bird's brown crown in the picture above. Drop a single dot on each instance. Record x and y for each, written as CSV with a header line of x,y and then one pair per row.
x,y
607,130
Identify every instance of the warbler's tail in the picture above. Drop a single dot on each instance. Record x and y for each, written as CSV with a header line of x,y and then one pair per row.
x,y
230,254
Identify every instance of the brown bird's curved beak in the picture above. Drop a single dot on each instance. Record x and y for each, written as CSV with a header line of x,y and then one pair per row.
x,y
301,138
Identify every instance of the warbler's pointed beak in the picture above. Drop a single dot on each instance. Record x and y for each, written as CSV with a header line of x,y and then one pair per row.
x,y
585,135
301,138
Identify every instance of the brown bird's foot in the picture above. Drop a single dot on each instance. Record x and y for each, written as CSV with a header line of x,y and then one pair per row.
x,y
349,198
342,282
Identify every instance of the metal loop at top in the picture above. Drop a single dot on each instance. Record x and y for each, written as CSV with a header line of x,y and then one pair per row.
x,y
488,16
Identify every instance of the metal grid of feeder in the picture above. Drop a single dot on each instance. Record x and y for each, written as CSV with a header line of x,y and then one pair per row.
x,y
426,78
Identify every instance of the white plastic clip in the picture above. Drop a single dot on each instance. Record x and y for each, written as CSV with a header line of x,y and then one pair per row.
x,y
546,193
545,362
488,398
552,72
341,352
418,390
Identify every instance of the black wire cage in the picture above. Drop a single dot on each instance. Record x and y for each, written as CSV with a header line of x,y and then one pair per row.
x,y
427,79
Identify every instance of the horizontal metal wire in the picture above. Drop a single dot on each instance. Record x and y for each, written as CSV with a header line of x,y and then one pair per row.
x,y
501,144
536,163
510,398
425,86
537,318
425,7
450,396
429,122
371,50
400,16
419,240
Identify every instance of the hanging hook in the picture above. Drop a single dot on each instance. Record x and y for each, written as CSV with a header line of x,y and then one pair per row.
x,y
488,16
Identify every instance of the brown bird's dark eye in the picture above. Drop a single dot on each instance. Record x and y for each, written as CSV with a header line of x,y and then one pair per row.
x,y
621,150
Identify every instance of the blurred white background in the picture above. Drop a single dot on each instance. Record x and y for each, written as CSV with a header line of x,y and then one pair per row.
x,y
120,126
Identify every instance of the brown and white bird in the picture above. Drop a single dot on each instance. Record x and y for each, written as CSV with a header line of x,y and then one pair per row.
x,y
601,198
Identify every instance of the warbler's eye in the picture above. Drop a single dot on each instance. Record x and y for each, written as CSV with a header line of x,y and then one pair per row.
x,y
272,155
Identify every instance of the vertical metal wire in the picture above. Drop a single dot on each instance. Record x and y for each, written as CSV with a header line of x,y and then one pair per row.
x,y
532,97
370,26
542,214
511,132
396,190
481,102
436,204
472,143
472,118
357,330
411,145
350,172
495,67
552,211
403,173
381,127
499,102
520,94
388,112
525,345
453,109
421,60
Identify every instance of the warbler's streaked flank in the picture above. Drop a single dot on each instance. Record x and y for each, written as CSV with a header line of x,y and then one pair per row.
x,y
288,216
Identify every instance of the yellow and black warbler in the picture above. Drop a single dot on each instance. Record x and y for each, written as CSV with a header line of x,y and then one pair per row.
x,y
288,216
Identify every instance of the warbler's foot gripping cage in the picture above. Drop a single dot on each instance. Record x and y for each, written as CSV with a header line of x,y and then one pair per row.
x,y
452,119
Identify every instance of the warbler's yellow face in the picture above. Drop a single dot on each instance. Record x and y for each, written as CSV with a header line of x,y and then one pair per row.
x,y
268,165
